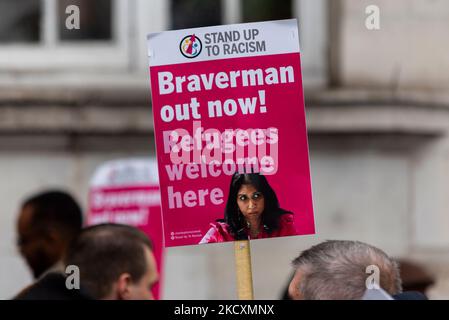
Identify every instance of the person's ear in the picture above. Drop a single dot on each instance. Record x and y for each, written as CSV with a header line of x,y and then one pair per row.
x,y
123,286
293,288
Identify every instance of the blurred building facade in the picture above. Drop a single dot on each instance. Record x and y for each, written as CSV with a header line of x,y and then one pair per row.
x,y
376,102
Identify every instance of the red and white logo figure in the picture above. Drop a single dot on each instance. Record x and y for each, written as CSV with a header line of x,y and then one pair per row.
x,y
190,46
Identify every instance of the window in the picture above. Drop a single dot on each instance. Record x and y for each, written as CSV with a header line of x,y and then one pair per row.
x,y
195,13
264,10
95,17
20,21
34,37
311,14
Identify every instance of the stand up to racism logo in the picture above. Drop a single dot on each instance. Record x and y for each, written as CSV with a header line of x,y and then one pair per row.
x,y
190,46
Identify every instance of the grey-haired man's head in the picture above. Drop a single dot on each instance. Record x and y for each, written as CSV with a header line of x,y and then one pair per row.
x,y
337,270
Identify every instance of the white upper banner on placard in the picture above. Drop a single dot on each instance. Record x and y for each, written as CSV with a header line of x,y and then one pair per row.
x,y
222,42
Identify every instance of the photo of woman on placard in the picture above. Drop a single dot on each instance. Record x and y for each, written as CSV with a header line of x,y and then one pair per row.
x,y
252,212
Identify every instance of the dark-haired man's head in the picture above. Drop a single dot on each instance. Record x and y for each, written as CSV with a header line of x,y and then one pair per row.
x,y
115,262
47,223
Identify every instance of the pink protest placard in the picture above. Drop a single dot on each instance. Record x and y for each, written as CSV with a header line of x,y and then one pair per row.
x,y
230,130
127,192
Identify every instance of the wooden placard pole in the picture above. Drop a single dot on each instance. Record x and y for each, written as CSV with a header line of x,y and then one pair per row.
x,y
243,270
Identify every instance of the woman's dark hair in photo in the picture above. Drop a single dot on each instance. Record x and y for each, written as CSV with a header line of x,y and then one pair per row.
x,y
270,214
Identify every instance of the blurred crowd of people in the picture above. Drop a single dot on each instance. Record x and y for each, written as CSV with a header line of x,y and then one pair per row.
x,y
116,262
